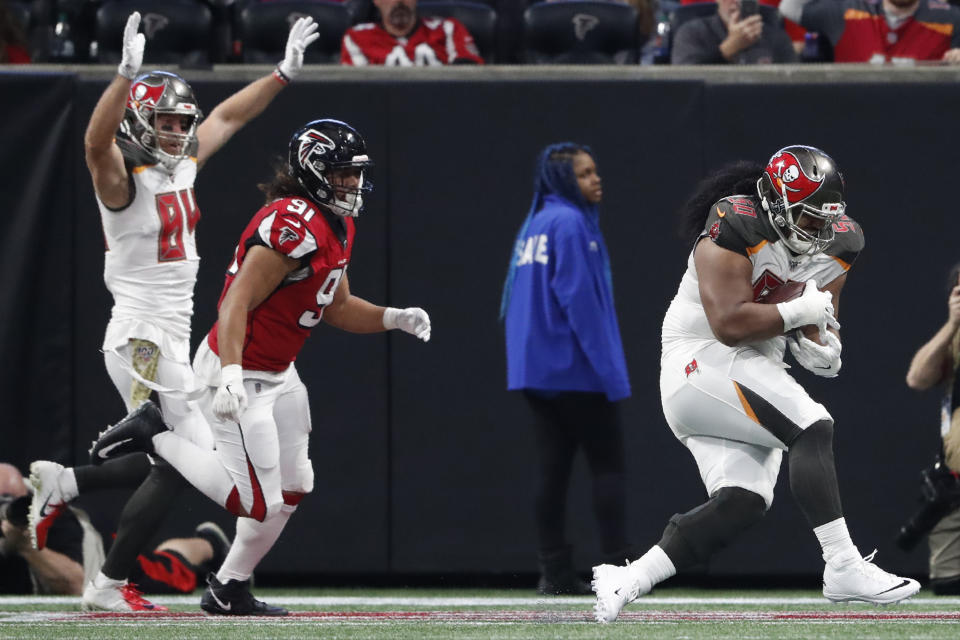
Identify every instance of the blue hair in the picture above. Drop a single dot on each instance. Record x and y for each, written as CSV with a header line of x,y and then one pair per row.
x,y
554,175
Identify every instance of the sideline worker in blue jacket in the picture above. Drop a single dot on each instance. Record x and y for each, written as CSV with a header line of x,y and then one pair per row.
x,y
564,353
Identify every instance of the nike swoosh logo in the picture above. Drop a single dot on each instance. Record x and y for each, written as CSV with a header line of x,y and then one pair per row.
x,y
105,452
295,223
902,584
817,367
225,607
53,508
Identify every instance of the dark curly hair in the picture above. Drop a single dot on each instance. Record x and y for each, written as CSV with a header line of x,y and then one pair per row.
x,y
283,184
738,177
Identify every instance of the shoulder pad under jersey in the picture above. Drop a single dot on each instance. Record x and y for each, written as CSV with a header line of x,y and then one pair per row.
x,y
737,223
848,240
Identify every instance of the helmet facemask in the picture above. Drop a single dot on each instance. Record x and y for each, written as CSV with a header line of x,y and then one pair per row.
x,y
342,200
785,218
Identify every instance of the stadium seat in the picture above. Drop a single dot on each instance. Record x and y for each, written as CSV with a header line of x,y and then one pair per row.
x,y
479,19
580,32
177,31
263,29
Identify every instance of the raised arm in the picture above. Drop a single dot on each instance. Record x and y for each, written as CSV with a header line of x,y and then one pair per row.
x,y
933,362
232,114
103,156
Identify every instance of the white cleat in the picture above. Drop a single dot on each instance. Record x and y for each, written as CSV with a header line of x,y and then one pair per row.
x,y
615,587
48,501
860,580
104,594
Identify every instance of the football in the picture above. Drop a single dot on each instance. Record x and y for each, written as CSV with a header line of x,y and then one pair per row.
x,y
785,292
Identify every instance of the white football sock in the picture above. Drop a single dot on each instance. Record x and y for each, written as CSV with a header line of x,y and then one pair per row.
x,y
101,581
253,540
654,564
201,467
835,541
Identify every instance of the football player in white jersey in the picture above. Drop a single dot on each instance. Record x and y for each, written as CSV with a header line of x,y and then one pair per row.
x,y
144,143
725,390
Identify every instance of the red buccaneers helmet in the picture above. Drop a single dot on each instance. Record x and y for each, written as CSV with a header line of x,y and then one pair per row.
x,y
800,181
321,147
158,92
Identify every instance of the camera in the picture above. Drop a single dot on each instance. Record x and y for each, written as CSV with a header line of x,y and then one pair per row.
x,y
748,8
14,510
940,494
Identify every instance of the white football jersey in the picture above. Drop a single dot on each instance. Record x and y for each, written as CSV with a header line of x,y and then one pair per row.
x,y
735,223
151,260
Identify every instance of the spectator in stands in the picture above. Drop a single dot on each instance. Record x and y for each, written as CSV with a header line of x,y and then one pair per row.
x,y
935,365
564,353
74,551
731,37
13,42
404,39
882,30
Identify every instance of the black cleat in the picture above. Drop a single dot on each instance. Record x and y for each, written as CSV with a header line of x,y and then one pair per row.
x,y
234,599
132,434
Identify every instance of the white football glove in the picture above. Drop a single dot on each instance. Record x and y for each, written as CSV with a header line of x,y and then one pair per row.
x,y
813,307
413,320
230,401
133,44
302,34
819,359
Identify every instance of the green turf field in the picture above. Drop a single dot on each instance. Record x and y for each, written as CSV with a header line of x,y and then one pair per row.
x,y
399,614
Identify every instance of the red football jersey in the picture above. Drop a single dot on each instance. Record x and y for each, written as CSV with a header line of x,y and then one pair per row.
x,y
278,327
435,41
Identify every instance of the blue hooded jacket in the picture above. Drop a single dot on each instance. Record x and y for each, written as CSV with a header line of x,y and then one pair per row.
x,y
561,325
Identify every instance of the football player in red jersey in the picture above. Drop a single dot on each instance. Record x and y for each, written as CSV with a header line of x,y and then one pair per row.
x,y
289,273
724,387
144,144
404,39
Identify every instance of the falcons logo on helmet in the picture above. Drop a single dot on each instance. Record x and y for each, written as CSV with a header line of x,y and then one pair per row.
x,y
785,172
311,141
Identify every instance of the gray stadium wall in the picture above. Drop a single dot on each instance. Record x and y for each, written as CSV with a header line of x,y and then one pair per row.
x,y
424,463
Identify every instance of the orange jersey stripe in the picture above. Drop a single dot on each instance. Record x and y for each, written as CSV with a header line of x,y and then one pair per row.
x,y
746,405
756,248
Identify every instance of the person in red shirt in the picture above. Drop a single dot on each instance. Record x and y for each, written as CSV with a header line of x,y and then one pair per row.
x,y
882,30
289,271
403,39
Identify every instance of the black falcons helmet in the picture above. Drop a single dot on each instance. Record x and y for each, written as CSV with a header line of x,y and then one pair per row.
x,y
797,181
158,92
323,146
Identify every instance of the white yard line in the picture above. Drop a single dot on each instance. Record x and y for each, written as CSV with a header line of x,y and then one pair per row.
x,y
443,601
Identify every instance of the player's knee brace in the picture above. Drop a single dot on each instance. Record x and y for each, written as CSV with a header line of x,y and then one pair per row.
x,y
692,538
